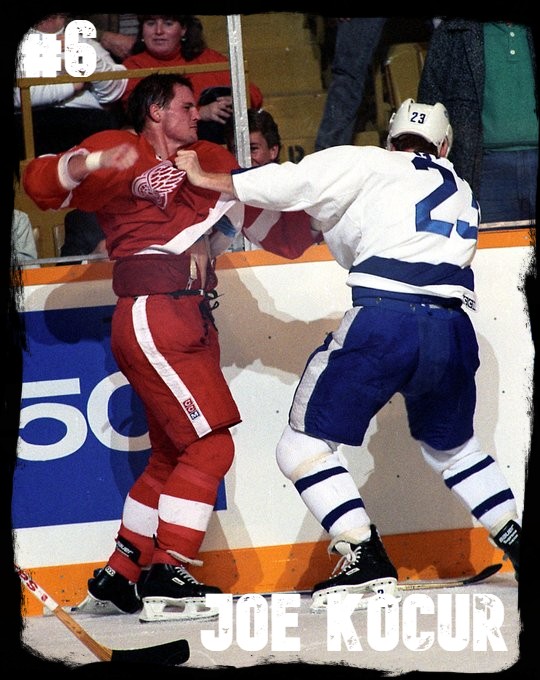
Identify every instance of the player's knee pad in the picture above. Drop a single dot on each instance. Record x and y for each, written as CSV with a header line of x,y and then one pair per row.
x,y
212,454
444,461
297,453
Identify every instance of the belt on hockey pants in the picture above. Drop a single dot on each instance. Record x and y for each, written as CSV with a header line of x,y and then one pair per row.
x,y
406,301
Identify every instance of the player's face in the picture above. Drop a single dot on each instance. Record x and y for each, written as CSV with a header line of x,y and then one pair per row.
x,y
180,117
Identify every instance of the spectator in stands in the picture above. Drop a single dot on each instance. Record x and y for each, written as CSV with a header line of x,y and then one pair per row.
x,y
485,75
24,247
264,138
359,43
171,40
63,113
83,234
356,40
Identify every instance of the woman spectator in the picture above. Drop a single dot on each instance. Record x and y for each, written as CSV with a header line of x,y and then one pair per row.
x,y
177,40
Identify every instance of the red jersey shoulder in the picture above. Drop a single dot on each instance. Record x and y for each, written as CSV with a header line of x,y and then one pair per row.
x,y
106,139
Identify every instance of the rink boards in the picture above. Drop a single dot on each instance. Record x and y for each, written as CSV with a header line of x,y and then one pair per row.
x,y
83,437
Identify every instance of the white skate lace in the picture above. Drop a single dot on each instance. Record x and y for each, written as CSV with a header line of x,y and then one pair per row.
x,y
182,569
346,560
186,575
184,559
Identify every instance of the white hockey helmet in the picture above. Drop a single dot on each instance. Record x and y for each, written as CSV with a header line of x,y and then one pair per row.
x,y
426,120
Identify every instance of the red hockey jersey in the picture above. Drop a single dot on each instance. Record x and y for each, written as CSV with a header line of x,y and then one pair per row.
x,y
152,208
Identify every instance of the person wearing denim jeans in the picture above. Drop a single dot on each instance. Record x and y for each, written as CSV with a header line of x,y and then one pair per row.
x,y
357,39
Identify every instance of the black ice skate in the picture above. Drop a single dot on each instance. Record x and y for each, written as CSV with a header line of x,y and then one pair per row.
x,y
110,593
170,592
508,540
364,568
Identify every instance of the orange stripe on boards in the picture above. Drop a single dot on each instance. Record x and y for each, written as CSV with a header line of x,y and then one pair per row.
x,y
282,568
67,273
66,584
252,258
507,238
442,554
257,258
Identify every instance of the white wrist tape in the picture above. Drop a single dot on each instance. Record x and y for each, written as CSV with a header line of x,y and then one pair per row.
x,y
93,161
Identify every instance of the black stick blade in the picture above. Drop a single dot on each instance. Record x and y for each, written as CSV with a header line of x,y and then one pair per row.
x,y
485,573
452,582
168,654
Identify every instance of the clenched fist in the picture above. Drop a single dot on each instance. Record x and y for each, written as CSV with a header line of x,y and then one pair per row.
x,y
216,181
119,157
189,162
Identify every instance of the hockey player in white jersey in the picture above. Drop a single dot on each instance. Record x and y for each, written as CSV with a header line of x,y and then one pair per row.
x,y
405,226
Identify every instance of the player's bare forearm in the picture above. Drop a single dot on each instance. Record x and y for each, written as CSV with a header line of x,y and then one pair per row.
x,y
216,181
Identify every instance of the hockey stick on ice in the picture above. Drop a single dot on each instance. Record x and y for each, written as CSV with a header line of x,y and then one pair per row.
x,y
419,584
452,582
167,654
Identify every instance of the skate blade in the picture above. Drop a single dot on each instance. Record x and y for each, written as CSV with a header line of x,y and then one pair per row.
x,y
171,609
90,605
383,590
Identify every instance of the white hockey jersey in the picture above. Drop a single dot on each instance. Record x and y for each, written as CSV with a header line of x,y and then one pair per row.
x,y
398,221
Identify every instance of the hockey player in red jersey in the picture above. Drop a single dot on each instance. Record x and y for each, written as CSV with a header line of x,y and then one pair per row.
x,y
163,235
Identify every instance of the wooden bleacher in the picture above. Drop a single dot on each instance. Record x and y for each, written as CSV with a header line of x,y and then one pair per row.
x,y
283,50
284,60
